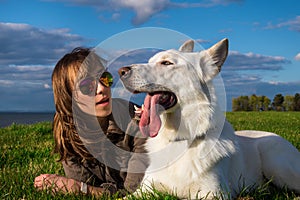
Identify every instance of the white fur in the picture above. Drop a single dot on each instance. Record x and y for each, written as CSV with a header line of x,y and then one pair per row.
x,y
196,153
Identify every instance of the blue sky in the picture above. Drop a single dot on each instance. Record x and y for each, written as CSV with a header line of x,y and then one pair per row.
x,y
264,38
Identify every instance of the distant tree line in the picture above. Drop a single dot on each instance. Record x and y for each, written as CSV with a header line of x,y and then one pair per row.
x,y
263,103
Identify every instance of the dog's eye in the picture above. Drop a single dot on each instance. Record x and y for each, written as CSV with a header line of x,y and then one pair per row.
x,y
165,62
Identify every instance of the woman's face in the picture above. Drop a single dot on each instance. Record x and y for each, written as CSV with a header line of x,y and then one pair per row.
x,y
103,101
97,101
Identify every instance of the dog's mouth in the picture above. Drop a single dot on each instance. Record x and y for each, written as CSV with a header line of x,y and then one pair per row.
x,y
154,104
165,99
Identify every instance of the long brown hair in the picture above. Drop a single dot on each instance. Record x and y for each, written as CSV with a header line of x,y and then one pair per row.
x,y
67,141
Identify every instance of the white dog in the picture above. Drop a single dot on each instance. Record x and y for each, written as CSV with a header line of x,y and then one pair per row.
x,y
194,152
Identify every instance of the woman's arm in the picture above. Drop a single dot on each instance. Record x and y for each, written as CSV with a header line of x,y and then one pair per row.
x,y
57,183
76,173
138,163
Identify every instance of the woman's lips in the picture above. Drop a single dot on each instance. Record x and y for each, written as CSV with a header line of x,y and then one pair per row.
x,y
103,102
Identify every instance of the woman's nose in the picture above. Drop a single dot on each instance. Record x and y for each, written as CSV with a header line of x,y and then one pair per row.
x,y
100,88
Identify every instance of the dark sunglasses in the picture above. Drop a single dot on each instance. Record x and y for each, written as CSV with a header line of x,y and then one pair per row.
x,y
88,85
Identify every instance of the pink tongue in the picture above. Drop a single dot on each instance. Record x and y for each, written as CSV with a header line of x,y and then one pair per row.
x,y
150,122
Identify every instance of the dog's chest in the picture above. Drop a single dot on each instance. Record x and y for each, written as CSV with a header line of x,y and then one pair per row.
x,y
176,163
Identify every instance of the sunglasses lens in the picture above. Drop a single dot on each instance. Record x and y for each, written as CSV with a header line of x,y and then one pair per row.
x,y
106,79
87,86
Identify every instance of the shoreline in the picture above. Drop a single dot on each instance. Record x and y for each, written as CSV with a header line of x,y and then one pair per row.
x,y
8,118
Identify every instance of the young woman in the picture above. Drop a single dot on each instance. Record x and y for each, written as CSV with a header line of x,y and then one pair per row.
x,y
96,136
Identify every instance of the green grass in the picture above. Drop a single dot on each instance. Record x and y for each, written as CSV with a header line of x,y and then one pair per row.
x,y
26,152
286,124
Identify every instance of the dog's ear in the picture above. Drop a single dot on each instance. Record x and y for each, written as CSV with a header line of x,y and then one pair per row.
x,y
188,46
219,52
214,58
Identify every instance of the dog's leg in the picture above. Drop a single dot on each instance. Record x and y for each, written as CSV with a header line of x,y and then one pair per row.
x,y
281,162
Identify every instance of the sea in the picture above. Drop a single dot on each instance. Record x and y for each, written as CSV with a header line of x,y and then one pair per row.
x,y
8,118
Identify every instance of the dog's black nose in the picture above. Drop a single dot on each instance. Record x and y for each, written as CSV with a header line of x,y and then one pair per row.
x,y
124,70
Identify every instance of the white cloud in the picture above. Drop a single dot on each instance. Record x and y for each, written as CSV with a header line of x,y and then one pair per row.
x,y
116,16
228,30
292,24
144,9
202,41
23,44
274,82
297,57
47,86
5,83
252,61
26,88
269,89
13,26
239,81
21,74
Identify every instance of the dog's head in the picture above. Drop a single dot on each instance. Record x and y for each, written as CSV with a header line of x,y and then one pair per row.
x,y
176,81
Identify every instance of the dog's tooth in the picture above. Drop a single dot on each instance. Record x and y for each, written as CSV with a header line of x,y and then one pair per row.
x,y
143,107
137,111
136,108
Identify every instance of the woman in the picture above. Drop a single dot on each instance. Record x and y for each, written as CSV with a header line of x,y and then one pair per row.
x,y
99,144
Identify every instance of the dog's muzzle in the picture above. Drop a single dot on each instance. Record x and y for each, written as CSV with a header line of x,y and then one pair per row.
x,y
167,99
158,99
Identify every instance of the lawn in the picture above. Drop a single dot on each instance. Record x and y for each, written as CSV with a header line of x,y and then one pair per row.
x,y
26,151
286,124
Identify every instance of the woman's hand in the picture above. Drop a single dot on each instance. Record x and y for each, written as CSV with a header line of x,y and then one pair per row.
x,y
56,183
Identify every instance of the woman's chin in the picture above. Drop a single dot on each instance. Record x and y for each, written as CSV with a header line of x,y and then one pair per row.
x,y
103,109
